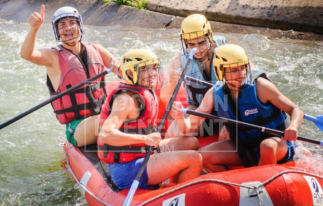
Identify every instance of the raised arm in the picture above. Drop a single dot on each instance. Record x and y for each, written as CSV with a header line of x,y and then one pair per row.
x,y
28,51
267,91
107,58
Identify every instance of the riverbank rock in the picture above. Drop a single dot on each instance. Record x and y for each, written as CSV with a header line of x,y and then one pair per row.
x,y
296,19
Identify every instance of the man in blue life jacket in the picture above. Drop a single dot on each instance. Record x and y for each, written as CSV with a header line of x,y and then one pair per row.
x,y
245,95
128,125
196,32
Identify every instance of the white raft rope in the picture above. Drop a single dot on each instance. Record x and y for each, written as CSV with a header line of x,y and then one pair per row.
x,y
257,188
79,184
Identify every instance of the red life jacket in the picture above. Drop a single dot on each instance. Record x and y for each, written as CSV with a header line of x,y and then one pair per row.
x,y
87,100
144,124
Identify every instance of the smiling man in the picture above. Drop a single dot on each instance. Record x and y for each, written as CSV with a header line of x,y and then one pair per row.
x,y
248,96
196,32
67,65
128,125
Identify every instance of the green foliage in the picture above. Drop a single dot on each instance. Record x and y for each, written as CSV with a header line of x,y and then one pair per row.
x,y
139,4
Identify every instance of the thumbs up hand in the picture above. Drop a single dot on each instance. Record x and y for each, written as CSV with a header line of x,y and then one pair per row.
x,y
36,19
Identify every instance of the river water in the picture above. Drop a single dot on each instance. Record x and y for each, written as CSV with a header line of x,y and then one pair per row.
x,y
31,151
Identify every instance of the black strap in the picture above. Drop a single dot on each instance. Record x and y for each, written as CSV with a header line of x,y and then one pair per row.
x,y
94,87
50,86
263,121
71,109
102,85
80,107
94,105
202,69
123,149
116,157
195,90
85,62
74,103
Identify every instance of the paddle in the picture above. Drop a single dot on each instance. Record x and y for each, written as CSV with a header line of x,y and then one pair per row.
x,y
262,129
198,81
318,121
135,183
54,98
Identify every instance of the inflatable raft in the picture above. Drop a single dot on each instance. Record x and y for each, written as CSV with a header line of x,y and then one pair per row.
x,y
262,185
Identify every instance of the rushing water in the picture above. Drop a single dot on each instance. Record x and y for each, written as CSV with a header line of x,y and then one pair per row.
x,y
31,148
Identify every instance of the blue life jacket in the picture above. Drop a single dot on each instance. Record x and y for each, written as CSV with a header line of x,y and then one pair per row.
x,y
195,92
248,109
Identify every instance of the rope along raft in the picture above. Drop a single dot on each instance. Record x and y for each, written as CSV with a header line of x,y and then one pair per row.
x,y
257,188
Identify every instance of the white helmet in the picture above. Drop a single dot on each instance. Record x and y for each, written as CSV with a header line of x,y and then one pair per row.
x,y
64,12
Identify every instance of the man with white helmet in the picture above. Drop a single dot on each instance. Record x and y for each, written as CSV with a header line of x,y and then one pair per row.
x,y
249,96
196,32
128,126
67,65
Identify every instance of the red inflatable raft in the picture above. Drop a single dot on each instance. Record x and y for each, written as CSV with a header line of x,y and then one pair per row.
x,y
281,185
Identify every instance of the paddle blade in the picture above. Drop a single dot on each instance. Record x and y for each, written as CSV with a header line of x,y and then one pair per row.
x,y
318,121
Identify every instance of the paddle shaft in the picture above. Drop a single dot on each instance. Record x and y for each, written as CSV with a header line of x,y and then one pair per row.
x,y
262,129
53,99
135,183
318,121
169,106
198,81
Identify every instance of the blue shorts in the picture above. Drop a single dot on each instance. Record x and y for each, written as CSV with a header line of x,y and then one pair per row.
x,y
123,174
290,152
289,155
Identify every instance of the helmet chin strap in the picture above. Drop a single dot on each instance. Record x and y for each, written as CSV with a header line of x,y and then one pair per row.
x,y
73,44
207,55
79,36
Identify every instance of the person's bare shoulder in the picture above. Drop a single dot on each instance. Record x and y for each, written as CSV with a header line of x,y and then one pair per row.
x,y
263,83
52,62
266,90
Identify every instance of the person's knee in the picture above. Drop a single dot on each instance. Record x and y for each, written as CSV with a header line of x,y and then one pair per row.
x,y
193,143
193,157
206,160
198,159
206,154
268,148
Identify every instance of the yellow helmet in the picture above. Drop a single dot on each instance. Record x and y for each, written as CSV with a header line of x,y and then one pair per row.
x,y
194,26
133,60
228,55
